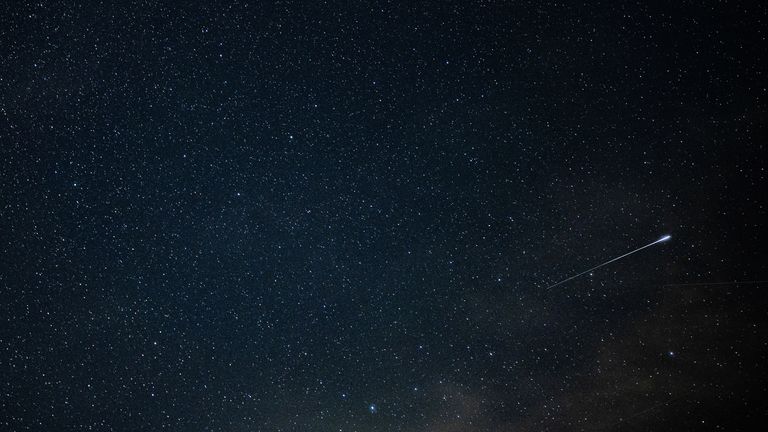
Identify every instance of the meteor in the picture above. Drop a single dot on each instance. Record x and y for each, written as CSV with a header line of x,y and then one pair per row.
x,y
660,240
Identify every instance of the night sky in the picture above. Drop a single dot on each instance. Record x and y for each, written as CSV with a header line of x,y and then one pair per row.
x,y
314,216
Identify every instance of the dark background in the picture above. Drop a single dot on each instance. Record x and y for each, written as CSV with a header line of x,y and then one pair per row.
x,y
293,216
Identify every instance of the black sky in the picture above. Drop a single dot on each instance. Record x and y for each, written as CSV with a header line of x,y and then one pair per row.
x,y
314,216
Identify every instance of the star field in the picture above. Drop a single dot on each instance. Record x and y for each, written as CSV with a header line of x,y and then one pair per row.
x,y
344,216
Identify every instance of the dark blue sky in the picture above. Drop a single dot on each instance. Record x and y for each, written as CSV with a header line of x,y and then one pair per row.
x,y
294,216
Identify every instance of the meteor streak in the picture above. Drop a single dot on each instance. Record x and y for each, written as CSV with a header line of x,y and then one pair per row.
x,y
662,239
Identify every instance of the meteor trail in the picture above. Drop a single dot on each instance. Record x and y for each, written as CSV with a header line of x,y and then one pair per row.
x,y
662,239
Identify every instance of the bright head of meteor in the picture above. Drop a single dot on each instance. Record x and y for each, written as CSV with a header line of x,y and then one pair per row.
x,y
664,238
